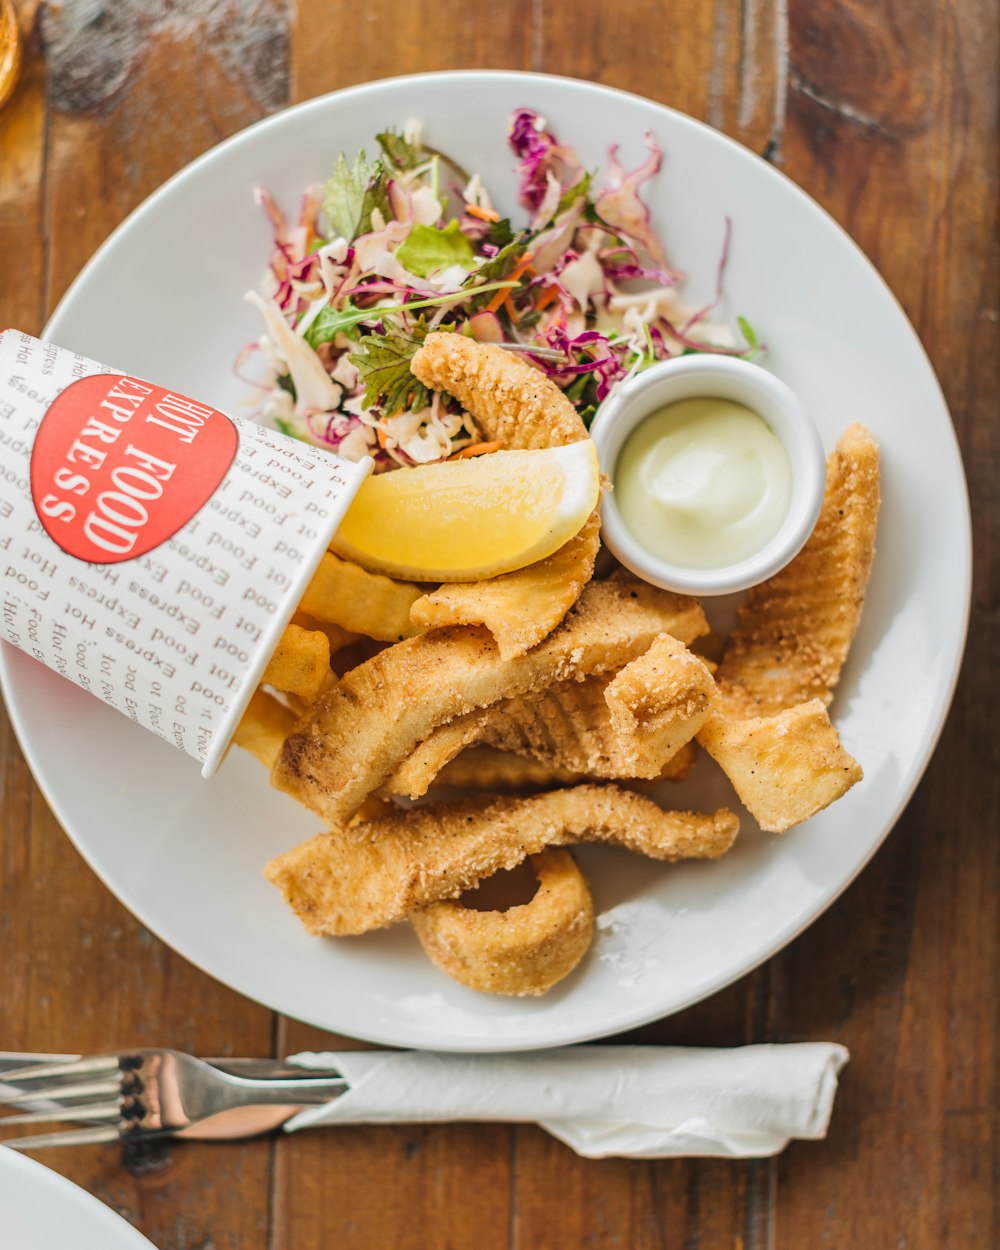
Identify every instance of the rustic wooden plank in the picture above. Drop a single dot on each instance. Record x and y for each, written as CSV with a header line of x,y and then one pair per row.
x,y
22,157
83,976
409,1187
80,973
338,45
892,127
137,91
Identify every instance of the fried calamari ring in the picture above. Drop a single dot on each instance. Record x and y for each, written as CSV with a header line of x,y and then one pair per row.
x,y
523,950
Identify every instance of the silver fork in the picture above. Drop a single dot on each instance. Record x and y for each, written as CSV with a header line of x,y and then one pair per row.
x,y
154,1092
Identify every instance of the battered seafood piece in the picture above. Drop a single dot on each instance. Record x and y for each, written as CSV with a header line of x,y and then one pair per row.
x,y
513,403
785,768
795,629
518,407
376,873
624,726
520,608
771,735
523,950
487,768
359,732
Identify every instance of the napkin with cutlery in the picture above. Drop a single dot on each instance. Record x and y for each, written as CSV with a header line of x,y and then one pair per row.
x,y
643,1102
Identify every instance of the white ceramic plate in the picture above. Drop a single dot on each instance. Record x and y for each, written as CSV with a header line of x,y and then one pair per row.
x,y
163,299
41,1210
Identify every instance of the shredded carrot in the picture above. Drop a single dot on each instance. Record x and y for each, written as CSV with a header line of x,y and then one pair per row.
x,y
380,435
549,294
474,449
484,214
512,312
503,294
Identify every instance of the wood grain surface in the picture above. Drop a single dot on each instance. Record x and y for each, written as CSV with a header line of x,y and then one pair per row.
x,y
886,113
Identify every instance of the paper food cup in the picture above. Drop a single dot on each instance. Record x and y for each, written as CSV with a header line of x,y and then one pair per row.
x,y
152,548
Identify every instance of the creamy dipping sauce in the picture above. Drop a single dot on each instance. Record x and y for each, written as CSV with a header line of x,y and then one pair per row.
x,y
703,483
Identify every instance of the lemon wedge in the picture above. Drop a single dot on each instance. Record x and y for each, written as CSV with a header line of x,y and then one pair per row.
x,y
466,520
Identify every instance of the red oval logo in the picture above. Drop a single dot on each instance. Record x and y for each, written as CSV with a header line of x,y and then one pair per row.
x,y
119,466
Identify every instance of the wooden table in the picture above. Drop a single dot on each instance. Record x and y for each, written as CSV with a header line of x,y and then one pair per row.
x,y
885,113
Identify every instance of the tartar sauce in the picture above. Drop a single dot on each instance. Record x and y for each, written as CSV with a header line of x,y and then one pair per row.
x,y
703,483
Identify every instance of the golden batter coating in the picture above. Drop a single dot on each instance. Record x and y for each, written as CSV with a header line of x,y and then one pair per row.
x,y
520,608
358,733
523,950
513,403
487,768
785,768
795,629
627,725
518,407
376,873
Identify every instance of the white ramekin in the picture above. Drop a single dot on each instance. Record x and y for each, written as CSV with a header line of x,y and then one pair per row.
x,y
722,377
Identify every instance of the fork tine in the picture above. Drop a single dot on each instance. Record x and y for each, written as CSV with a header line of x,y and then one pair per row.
x,y
75,1137
59,1093
78,1067
65,1115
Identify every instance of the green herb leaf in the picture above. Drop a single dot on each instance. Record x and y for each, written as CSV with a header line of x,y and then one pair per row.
x,y
384,365
428,249
500,233
398,151
573,193
330,322
748,332
351,193
495,270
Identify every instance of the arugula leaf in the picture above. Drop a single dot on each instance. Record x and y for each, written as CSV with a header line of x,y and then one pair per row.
x,y
398,151
384,365
499,233
429,248
352,192
495,270
330,322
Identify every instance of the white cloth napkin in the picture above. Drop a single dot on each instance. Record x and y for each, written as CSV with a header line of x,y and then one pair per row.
x,y
644,1102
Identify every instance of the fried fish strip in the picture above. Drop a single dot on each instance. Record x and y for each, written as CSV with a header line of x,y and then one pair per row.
x,y
786,767
523,950
784,658
347,595
795,629
374,874
488,768
517,406
627,725
520,608
359,732
513,403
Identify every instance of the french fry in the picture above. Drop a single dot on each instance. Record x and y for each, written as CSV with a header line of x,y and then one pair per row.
x,y
265,725
344,594
300,663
